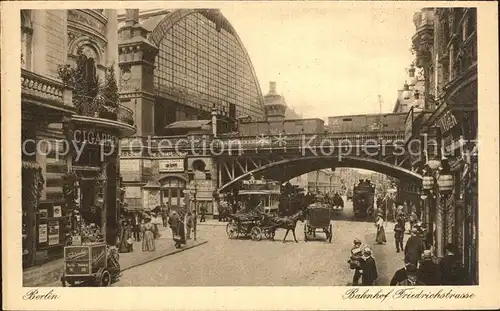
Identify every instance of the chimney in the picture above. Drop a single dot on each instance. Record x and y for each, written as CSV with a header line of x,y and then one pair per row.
x,y
131,17
272,88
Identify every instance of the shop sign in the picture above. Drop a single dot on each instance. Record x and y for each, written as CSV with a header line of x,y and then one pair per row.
x,y
53,232
98,256
172,165
447,122
76,253
409,126
42,233
94,137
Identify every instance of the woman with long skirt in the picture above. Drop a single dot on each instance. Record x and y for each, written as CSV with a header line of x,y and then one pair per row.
x,y
379,223
126,245
148,240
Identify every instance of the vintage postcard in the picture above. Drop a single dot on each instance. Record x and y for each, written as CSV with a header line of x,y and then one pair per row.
x,y
250,155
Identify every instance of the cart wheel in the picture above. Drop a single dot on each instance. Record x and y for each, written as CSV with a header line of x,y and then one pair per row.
x,y
231,230
256,233
103,278
305,233
331,234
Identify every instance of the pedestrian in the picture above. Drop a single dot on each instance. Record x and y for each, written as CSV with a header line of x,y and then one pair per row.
x,y
203,211
379,223
413,220
400,275
355,261
368,268
189,225
177,226
136,228
148,240
414,247
399,232
428,271
411,277
126,242
452,272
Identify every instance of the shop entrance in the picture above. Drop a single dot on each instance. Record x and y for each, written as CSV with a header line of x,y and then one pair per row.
x,y
172,192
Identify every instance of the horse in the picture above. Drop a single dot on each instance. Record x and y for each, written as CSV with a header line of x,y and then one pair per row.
x,y
290,222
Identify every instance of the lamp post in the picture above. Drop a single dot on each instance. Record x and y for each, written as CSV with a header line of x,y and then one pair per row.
x,y
437,181
193,192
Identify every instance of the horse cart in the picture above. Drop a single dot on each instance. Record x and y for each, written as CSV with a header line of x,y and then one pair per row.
x,y
318,218
94,264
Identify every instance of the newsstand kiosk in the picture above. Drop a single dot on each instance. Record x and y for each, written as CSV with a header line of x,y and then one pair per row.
x,y
90,255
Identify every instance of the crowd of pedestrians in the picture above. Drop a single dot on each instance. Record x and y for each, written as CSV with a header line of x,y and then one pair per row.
x,y
420,266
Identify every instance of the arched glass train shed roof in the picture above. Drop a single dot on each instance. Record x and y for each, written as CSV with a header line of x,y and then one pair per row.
x,y
202,62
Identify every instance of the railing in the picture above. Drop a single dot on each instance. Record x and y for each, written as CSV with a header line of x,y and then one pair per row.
x,y
45,89
125,114
99,107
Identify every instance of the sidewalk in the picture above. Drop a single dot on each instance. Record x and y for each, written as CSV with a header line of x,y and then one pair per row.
x,y
52,271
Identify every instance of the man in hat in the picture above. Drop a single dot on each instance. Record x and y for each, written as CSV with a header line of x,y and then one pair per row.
x,y
428,271
411,277
414,247
368,268
399,231
400,274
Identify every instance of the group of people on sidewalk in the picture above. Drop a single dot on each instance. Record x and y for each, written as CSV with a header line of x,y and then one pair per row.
x,y
133,229
420,267
363,264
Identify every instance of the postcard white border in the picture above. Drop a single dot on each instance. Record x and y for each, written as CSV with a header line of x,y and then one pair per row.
x,y
246,298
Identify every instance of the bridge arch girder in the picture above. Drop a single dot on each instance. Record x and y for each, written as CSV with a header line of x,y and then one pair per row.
x,y
287,169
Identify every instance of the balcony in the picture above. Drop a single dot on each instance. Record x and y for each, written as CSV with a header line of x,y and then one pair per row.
x,y
99,112
44,91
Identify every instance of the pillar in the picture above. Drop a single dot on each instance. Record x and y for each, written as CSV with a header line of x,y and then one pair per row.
x,y
439,243
39,41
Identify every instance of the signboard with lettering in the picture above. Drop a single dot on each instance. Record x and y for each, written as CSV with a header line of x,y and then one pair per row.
x,y
171,165
447,122
90,147
409,125
53,232
84,259
42,233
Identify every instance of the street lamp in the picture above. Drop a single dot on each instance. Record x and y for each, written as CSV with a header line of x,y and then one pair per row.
x,y
438,181
193,192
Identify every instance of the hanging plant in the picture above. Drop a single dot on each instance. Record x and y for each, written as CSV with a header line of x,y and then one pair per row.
x,y
33,182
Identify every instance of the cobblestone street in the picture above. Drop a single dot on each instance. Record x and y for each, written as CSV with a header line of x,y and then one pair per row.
x,y
243,262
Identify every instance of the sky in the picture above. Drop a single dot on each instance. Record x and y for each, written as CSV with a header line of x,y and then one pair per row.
x,y
329,61
327,58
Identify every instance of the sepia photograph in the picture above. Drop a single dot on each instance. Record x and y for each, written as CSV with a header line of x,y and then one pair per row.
x,y
233,146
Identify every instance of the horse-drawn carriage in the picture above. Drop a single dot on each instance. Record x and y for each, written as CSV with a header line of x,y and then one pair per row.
x,y
318,218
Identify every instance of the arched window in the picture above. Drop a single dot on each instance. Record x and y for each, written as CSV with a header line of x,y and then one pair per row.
x,y
26,39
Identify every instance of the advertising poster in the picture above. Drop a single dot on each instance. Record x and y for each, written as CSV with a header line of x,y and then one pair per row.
x,y
42,233
53,232
57,211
